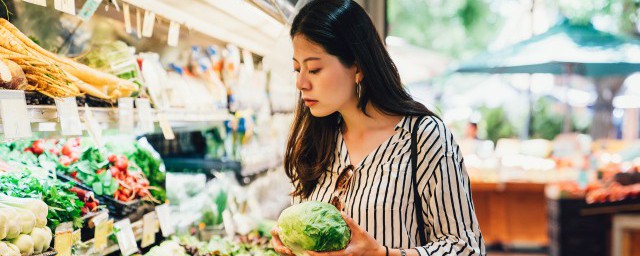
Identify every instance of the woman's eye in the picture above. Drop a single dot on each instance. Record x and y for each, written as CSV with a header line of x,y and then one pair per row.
x,y
315,71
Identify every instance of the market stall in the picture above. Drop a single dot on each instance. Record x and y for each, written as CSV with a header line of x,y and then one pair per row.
x,y
125,114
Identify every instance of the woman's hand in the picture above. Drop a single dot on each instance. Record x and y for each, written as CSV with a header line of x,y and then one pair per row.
x,y
277,244
362,243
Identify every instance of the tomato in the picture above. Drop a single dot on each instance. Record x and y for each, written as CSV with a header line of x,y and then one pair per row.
x,y
38,147
99,171
67,150
65,160
114,171
74,174
112,158
122,163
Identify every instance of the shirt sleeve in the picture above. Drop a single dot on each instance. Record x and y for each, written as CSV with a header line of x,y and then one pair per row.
x,y
447,206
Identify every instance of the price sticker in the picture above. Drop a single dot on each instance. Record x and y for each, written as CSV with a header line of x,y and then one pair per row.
x,y
145,117
15,117
148,23
167,131
69,116
63,239
126,239
174,34
66,6
127,18
164,217
149,229
94,128
125,114
37,2
102,232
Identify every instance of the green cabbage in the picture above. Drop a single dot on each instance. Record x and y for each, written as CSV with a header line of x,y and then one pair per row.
x,y
313,226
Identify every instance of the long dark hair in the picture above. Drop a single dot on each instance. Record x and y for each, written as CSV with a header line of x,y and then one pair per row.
x,y
344,30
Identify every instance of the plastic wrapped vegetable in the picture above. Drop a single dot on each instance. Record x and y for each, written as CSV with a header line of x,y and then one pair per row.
x,y
36,206
7,249
24,243
41,239
13,228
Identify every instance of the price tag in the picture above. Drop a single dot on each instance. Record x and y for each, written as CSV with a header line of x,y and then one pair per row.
x,y
148,23
63,239
127,18
125,114
103,229
95,131
15,118
38,2
149,229
69,117
76,236
145,118
88,9
166,128
139,22
164,217
174,34
67,6
126,239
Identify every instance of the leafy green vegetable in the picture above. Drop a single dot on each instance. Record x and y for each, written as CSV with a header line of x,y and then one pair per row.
x,y
63,205
313,226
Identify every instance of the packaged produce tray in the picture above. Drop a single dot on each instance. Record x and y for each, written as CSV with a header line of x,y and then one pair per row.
x,y
116,208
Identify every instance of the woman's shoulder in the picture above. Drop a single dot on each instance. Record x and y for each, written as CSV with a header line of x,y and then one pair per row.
x,y
432,130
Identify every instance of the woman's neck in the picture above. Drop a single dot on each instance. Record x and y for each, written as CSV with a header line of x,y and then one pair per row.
x,y
356,122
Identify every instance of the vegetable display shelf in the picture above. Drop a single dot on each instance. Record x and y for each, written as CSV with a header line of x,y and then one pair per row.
x,y
49,113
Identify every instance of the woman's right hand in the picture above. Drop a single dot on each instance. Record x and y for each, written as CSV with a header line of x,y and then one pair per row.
x,y
277,244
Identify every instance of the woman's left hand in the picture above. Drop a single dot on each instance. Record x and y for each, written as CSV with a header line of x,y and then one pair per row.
x,y
362,243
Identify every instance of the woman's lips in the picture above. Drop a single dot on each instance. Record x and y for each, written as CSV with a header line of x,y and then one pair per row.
x,y
309,102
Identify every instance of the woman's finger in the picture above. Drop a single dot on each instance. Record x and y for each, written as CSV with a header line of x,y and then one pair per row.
x,y
350,222
277,244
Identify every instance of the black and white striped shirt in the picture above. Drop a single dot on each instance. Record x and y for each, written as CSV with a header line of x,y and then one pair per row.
x,y
380,196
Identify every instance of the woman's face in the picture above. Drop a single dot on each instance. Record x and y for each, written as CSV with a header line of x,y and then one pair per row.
x,y
326,84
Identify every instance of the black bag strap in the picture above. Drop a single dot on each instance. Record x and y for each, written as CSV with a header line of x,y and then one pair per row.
x,y
417,200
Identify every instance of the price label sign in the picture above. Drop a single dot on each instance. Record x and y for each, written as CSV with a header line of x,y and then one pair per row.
x,y
69,116
88,9
174,34
148,23
63,239
103,228
125,114
164,217
15,117
127,18
149,229
66,6
95,131
126,239
167,131
145,117
37,2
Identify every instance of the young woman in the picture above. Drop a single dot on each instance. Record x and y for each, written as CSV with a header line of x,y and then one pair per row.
x,y
352,138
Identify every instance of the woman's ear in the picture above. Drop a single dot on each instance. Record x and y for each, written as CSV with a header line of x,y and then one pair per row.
x,y
359,74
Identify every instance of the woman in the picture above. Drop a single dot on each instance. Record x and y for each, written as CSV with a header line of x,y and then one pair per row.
x,y
351,144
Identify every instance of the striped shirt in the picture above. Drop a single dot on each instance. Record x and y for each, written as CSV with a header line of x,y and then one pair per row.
x,y
380,196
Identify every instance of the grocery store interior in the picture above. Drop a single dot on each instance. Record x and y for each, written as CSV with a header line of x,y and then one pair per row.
x,y
159,127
